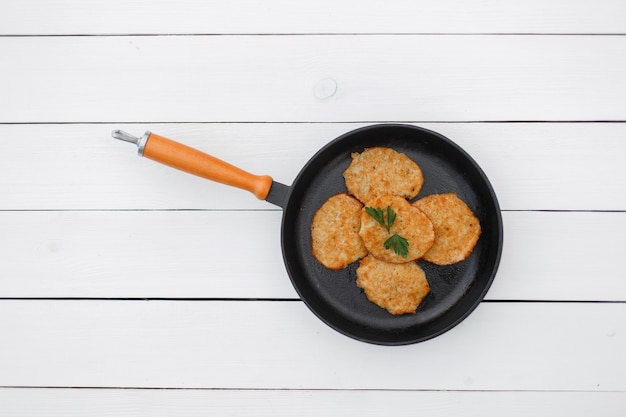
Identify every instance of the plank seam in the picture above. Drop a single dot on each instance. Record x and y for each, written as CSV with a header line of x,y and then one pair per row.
x,y
52,387
274,299
331,122
254,210
309,34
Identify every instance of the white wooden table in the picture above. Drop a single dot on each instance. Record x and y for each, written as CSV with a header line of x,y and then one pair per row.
x,y
122,286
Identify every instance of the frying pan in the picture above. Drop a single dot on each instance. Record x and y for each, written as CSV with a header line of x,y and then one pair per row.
x,y
333,296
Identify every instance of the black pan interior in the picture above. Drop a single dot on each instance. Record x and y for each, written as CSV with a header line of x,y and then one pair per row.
x,y
333,295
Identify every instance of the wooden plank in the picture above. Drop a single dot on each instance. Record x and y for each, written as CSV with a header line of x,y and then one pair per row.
x,y
322,16
143,254
239,403
287,78
532,166
198,254
561,256
269,345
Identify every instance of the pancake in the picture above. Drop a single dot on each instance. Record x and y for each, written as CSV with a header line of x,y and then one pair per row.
x,y
457,229
382,171
410,223
335,232
398,288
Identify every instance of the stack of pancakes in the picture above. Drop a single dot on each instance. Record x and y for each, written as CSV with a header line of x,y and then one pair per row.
x,y
439,228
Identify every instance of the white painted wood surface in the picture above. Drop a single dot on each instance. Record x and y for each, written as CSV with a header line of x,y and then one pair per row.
x,y
63,17
274,78
117,294
280,345
254,403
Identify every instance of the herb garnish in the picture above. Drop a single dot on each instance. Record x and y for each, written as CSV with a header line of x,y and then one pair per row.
x,y
399,244
386,218
379,215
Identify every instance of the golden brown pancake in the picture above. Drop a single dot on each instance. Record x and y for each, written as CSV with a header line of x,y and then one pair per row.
x,y
382,171
335,232
398,288
410,223
457,229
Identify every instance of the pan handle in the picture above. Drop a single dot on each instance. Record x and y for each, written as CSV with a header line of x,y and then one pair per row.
x,y
193,161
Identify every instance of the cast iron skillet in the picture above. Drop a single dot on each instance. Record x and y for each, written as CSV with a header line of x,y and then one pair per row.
x,y
333,295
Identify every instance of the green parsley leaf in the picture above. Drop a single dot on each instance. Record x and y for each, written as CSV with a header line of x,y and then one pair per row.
x,y
391,217
399,244
379,215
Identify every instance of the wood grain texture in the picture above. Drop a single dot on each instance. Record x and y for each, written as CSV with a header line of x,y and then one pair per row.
x,y
281,345
236,254
274,78
293,403
532,166
62,17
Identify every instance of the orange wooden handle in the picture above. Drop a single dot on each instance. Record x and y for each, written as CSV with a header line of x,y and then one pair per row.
x,y
193,161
